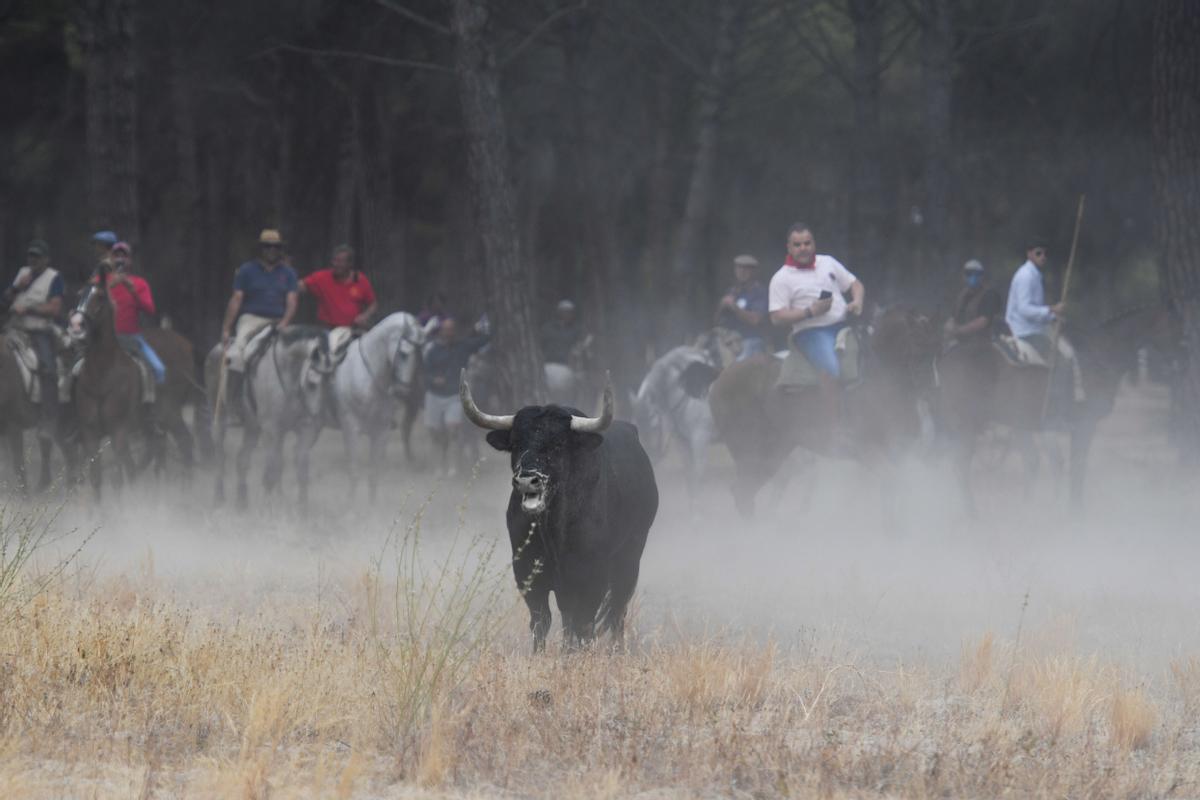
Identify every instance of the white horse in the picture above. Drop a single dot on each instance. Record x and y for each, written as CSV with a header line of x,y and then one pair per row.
x,y
378,374
672,403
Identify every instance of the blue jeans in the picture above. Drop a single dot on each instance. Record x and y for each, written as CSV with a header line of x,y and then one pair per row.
x,y
819,346
751,346
135,342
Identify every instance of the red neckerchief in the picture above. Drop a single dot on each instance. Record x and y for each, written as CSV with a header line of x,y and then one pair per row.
x,y
791,262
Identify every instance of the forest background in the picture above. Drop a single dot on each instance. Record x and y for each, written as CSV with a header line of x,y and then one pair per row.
x,y
616,152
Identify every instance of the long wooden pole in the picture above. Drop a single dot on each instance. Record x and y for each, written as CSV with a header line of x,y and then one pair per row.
x,y
1056,327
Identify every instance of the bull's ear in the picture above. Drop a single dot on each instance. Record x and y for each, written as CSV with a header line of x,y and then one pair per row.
x,y
500,440
586,441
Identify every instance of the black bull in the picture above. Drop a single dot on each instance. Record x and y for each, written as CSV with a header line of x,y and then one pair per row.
x,y
583,500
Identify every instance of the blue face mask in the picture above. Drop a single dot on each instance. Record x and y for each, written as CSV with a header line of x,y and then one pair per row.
x,y
974,279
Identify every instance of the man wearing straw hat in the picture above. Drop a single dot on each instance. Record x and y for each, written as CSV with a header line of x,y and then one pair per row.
x,y
264,293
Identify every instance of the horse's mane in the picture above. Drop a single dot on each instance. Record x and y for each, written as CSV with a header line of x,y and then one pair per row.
x,y
294,333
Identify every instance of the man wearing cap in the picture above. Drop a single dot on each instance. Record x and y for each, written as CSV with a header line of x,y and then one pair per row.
x,y
561,334
264,293
35,300
977,308
130,296
445,359
744,307
345,298
102,244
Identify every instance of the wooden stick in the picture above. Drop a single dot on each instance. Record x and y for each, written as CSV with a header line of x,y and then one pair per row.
x,y
1056,327
222,373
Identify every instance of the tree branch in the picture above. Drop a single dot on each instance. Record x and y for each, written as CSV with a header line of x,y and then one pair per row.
x,y
409,14
682,57
541,28
369,57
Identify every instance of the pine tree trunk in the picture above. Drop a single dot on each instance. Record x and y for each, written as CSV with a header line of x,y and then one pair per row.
x,y
867,211
1176,124
935,270
689,272
111,72
509,295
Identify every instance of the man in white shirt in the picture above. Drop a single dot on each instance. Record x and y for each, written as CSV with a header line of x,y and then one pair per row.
x,y
808,293
1029,318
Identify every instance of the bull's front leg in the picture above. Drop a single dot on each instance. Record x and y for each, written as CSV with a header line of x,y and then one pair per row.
x,y
533,582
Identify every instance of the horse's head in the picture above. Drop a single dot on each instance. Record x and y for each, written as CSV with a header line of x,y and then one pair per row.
x,y
93,313
405,359
904,337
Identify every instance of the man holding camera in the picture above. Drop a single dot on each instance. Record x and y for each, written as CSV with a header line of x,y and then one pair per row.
x,y
808,293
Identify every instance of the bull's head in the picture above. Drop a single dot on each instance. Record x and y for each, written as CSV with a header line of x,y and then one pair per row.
x,y
541,441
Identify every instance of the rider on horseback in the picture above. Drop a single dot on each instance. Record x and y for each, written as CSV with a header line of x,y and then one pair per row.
x,y
130,295
36,297
808,293
977,309
1030,319
345,299
744,307
264,294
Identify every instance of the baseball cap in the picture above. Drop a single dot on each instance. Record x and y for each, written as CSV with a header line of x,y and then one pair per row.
x,y
105,237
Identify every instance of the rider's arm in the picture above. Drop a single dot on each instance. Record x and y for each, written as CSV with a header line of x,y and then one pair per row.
x,y
289,310
231,312
1025,306
143,298
974,326
49,309
790,316
858,294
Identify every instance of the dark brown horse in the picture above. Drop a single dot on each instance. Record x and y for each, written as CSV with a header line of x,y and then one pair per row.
x,y
108,389
761,424
978,387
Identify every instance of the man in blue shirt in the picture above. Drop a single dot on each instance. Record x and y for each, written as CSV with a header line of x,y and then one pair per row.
x,y
744,307
264,293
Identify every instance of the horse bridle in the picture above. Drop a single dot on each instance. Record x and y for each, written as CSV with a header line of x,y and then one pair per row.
x,y
395,358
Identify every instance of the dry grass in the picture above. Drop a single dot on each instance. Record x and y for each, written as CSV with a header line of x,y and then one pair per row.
x,y
117,691
412,678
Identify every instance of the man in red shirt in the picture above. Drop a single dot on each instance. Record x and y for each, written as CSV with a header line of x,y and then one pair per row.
x,y
345,299
130,296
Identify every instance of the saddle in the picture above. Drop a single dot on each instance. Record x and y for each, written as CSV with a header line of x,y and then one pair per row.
x,y
1018,352
28,363
145,377
797,372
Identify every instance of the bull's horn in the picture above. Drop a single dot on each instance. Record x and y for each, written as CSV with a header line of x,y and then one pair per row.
x,y
494,422
597,424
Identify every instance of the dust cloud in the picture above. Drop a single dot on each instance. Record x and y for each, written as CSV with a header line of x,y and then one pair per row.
x,y
879,567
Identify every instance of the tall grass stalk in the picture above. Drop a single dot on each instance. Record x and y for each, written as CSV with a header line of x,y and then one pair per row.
x,y
24,532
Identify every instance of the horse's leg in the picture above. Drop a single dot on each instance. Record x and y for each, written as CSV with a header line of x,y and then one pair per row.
x,y
91,451
217,454
273,468
125,462
306,437
350,439
412,407
1082,435
178,430
375,452
16,449
250,433
1029,459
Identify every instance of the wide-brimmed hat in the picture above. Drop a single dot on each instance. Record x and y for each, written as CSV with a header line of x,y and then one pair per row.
x,y
270,236
974,265
105,237
745,260
38,247
122,247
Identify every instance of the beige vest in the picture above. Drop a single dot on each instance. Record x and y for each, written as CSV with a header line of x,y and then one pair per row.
x,y
35,294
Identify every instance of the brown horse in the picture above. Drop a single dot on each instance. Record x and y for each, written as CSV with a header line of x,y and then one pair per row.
x,y
978,387
178,388
761,424
108,388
